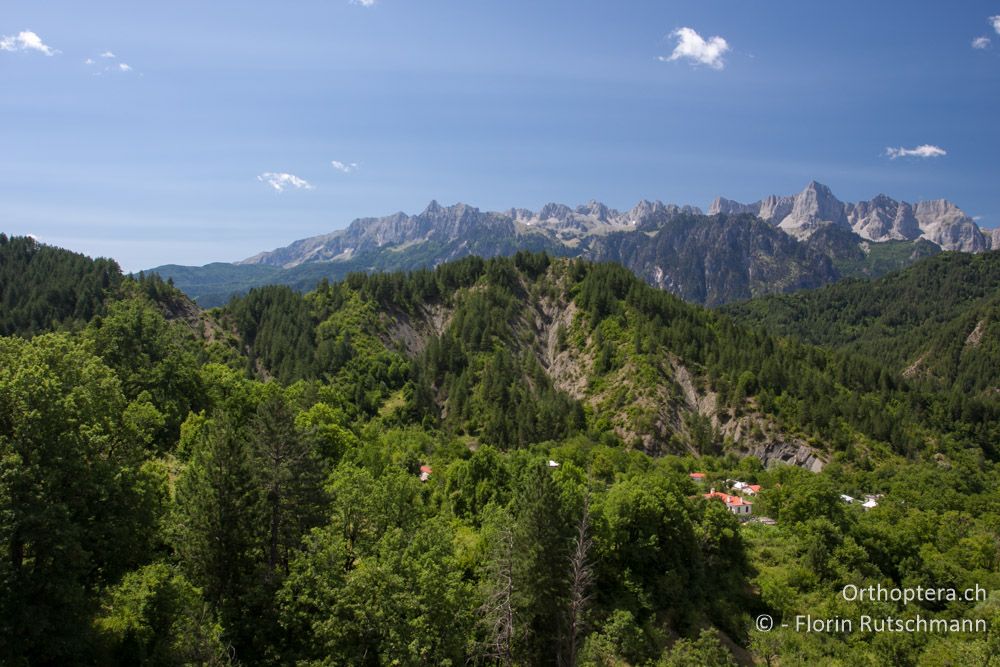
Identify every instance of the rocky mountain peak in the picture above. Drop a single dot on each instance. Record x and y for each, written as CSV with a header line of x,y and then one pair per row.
x,y
947,225
883,219
774,208
940,209
553,211
730,207
644,210
880,219
813,208
595,209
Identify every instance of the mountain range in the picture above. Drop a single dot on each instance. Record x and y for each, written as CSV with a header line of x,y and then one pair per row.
x,y
736,251
880,219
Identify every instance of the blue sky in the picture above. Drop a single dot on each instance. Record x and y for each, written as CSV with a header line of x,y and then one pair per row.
x,y
494,103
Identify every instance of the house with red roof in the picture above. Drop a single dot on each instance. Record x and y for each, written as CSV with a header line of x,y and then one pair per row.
x,y
425,473
698,477
738,505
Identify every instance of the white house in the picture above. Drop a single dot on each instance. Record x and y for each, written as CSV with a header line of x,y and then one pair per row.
x,y
735,504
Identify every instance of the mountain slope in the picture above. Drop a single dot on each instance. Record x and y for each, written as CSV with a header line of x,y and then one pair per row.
x,y
703,259
937,320
512,352
700,258
42,287
716,260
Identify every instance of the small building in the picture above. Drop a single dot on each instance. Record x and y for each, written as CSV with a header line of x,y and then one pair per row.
x,y
698,477
869,504
425,473
751,489
735,504
847,499
553,464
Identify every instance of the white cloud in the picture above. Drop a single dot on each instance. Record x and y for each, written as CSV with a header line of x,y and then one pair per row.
x,y
924,150
110,67
281,181
25,41
363,3
345,167
981,43
995,22
692,46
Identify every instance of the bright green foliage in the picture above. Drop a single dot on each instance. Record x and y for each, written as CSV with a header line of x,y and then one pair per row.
x,y
705,651
379,584
648,545
153,359
477,481
453,467
155,617
326,428
351,349
71,492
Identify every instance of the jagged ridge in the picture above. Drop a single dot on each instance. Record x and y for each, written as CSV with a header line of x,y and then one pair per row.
x,y
879,219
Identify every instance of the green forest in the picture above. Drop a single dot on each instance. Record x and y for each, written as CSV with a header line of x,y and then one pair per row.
x,y
490,463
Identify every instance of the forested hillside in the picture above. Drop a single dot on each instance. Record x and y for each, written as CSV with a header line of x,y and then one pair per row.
x,y
42,287
935,322
485,463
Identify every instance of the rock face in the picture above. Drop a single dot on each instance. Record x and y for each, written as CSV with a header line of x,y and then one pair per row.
x,y
947,225
717,259
553,225
994,238
710,260
880,219
770,208
730,207
778,244
883,219
366,235
774,207
813,208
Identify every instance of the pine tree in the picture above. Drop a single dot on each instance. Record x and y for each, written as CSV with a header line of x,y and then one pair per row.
x,y
217,525
288,478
